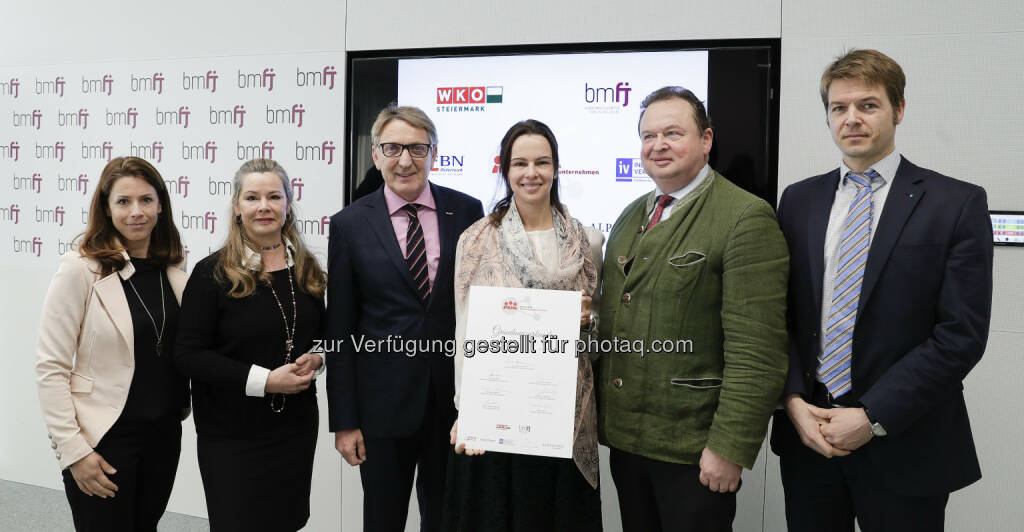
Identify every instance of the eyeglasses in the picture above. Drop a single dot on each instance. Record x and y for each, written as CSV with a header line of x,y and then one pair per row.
x,y
393,149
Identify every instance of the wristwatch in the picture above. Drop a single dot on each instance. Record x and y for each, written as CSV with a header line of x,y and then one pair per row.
x,y
876,428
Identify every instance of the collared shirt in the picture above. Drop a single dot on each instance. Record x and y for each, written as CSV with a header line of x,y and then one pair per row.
x,y
427,214
845,194
677,194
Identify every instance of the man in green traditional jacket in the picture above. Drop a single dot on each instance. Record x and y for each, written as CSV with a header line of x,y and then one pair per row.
x,y
693,310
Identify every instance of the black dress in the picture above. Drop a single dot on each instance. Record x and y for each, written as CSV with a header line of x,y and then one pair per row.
x,y
256,464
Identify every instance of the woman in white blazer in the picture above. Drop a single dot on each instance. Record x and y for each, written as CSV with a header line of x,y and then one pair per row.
x,y
110,396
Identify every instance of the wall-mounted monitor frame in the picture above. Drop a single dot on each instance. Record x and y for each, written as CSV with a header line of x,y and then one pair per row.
x,y
1007,227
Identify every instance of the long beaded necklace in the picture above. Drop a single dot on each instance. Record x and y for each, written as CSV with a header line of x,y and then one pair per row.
x,y
289,335
163,312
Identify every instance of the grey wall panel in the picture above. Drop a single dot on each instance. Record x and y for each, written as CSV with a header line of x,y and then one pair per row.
x,y
490,22
805,18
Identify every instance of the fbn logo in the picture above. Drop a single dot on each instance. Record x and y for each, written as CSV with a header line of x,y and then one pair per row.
x,y
206,151
443,162
173,118
286,116
206,221
228,116
10,151
263,151
178,186
617,94
104,84
125,118
206,82
55,215
10,214
33,119
325,151
50,152
51,87
79,119
263,79
150,152
97,151
154,83
71,184
28,183
10,88
315,79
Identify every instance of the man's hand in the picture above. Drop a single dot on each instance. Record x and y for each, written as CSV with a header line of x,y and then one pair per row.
x,y
585,312
351,446
808,425
717,473
308,363
286,379
461,448
90,473
847,428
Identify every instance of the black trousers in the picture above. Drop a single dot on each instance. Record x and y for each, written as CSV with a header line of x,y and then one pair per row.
x,y
656,496
145,456
826,495
391,463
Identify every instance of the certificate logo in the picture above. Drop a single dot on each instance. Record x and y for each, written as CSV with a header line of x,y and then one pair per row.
x,y
512,305
502,426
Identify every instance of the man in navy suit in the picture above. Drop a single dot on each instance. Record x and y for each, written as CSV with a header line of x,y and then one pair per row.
x,y
890,293
391,317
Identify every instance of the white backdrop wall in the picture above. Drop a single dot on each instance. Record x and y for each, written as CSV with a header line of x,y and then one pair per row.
x,y
963,73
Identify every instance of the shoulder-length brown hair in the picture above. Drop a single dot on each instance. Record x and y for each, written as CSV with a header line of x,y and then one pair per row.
x,y
101,241
231,264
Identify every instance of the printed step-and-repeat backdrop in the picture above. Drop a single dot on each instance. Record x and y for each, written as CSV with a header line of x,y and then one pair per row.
x,y
196,120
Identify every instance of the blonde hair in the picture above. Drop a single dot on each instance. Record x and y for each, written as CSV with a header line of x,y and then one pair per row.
x,y
231,264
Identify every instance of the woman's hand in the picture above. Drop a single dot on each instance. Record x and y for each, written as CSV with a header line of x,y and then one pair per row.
x,y
461,448
585,313
309,363
288,379
90,474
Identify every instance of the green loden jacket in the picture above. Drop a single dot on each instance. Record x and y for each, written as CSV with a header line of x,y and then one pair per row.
x,y
714,273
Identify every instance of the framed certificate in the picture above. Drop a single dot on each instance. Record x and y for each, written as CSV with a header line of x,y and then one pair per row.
x,y
518,391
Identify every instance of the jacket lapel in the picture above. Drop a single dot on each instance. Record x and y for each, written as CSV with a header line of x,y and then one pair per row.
x,y
820,205
177,279
379,220
907,190
113,299
449,235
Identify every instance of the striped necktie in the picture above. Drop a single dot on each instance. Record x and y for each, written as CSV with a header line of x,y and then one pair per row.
x,y
834,364
416,252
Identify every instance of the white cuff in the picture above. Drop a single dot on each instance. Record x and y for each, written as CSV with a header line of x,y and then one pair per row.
x,y
256,384
323,364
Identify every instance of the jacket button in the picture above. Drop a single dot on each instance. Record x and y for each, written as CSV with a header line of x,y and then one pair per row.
x,y
807,374
53,445
814,334
617,383
625,297
621,259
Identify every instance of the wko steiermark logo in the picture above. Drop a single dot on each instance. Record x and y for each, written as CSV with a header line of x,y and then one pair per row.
x,y
468,99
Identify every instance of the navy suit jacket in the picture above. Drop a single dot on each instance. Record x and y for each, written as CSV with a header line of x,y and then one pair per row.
x,y
922,322
371,296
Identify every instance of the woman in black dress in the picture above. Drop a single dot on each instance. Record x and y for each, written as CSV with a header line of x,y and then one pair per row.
x,y
249,316
112,401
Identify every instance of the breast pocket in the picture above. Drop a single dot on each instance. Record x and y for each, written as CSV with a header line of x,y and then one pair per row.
x,y
80,384
682,272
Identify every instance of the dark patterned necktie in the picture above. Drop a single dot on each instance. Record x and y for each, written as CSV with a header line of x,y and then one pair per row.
x,y
416,252
663,202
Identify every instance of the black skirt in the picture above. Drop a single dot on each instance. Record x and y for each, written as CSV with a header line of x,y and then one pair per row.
x,y
502,492
261,482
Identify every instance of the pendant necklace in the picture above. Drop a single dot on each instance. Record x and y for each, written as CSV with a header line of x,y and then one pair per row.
x,y
289,335
163,312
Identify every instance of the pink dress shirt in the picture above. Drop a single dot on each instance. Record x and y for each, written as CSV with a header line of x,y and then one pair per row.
x,y
427,213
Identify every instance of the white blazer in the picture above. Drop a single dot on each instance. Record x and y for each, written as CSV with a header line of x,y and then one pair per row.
x,y
86,353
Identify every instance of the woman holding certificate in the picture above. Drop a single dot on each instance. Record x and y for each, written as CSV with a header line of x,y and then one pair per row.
x,y
528,241
249,315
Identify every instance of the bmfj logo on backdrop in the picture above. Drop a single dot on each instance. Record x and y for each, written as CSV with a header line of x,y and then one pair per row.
x,y
51,87
104,84
33,119
10,151
10,87
629,170
263,79
154,83
468,99
323,78
73,119
323,152
206,82
10,214
606,99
